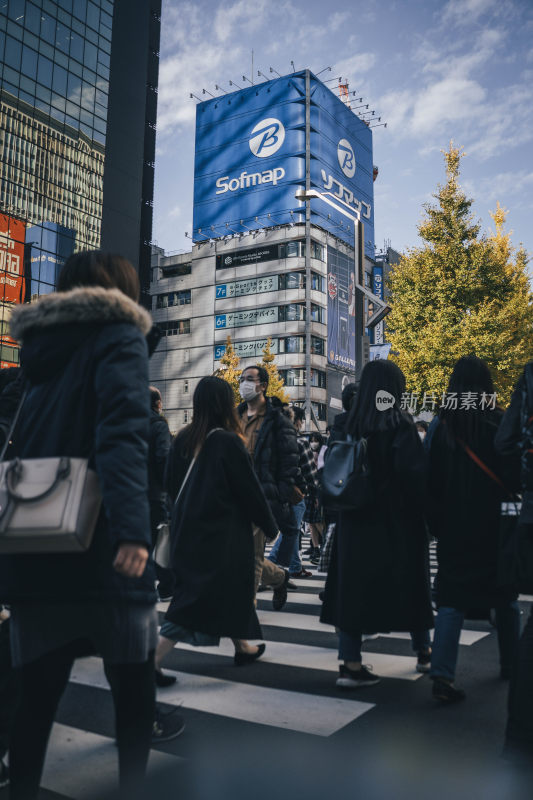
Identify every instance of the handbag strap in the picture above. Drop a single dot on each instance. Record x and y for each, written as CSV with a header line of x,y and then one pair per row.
x,y
191,465
13,424
481,464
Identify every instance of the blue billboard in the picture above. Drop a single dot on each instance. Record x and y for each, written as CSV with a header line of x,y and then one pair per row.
x,y
250,159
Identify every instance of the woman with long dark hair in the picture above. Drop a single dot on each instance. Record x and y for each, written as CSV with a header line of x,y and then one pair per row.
x,y
468,480
212,541
379,574
314,514
85,367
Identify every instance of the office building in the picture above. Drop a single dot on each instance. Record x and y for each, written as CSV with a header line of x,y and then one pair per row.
x,y
77,139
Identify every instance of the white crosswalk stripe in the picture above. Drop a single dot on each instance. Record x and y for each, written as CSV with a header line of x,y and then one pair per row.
x,y
320,716
295,638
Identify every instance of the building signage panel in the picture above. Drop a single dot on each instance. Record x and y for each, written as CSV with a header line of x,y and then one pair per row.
x,y
268,283
249,157
250,316
341,164
242,258
248,349
12,238
377,288
341,309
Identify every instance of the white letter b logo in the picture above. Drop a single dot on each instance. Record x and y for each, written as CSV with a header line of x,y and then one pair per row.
x,y
267,137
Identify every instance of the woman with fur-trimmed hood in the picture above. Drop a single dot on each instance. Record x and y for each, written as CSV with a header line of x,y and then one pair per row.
x,y
84,358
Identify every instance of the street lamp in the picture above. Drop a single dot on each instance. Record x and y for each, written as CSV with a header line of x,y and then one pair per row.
x,y
360,289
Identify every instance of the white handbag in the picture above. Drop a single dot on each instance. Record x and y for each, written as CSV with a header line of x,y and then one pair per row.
x,y
162,549
47,505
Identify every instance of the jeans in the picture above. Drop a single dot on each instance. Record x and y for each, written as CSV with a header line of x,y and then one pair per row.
x,y
350,644
519,733
286,550
43,681
448,625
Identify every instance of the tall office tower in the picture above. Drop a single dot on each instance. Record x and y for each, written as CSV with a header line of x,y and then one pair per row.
x,y
78,102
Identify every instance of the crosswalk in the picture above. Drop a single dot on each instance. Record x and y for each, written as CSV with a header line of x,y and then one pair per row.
x,y
291,688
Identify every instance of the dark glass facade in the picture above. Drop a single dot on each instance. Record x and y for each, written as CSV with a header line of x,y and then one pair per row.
x,y
57,143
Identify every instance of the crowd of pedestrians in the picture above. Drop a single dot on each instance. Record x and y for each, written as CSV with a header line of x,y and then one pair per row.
x,y
228,483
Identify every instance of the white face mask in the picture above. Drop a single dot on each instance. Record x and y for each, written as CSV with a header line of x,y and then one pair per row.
x,y
314,445
248,390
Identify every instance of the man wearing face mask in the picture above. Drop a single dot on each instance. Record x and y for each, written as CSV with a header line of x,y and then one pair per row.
x,y
271,441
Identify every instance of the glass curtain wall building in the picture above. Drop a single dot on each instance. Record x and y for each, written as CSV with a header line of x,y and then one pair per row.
x,y
59,62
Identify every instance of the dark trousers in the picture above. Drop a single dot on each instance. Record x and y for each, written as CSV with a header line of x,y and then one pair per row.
x,y
9,689
519,734
43,681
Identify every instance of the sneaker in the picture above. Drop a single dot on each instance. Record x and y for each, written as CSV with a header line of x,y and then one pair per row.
x,y
315,557
423,663
304,573
309,551
352,678
167,725
447,692
263,588
291,587
4,775
279,598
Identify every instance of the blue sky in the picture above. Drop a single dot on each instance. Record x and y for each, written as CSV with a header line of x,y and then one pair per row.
x,y
434,70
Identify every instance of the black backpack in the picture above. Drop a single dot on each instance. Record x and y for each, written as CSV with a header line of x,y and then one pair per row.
x,y
346,482
526,421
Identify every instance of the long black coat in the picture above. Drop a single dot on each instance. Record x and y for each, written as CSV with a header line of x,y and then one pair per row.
x,y
85,357
464,514
276,459
379,574
158,449
212,541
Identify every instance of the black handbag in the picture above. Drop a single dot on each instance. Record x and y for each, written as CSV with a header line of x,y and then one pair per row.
x,y
346,481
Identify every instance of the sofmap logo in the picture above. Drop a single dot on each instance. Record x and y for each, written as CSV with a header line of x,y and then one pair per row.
x,y
346,157
267,137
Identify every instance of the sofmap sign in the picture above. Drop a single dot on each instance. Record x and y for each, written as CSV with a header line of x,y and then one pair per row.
x,y
250,160
252,316
267,283
248,349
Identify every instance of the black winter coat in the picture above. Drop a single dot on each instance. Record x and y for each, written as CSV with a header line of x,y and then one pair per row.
x,y
378,579
212,541
85,358
464,513
158,449
276,460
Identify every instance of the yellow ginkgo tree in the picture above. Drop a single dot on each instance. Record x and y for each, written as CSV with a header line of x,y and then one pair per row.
x,y
460,293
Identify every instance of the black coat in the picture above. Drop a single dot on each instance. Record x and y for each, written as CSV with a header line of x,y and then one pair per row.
x,y
338,431
85,357
212,541
379,574
464,515
276,459
158,449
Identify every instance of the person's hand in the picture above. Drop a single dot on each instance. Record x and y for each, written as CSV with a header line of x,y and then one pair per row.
x,y
130,560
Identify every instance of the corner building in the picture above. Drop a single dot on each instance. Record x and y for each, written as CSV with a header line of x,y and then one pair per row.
x,y
263,262
78,88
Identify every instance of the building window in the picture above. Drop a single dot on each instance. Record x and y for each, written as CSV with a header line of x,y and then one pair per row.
x,y
175,270
296,344
175,327
317,251
320,411
186,413
185,387
296,377
174,299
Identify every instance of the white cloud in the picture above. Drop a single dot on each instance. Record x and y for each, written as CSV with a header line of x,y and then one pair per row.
x,y
459,12
447,100
353,66
174,212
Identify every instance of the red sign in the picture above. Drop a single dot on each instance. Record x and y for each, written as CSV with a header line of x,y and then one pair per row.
x,y
12,237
